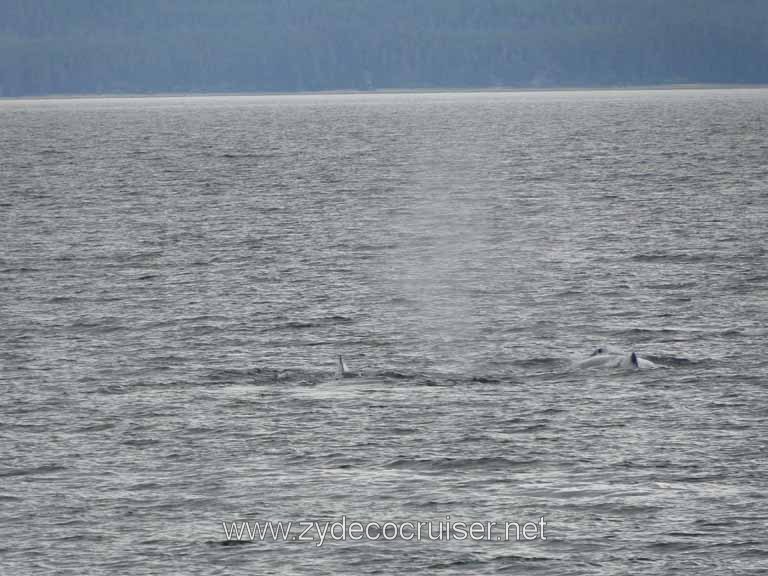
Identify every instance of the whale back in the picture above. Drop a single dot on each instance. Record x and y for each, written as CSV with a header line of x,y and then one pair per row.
x,y
609,357
606,349
629,362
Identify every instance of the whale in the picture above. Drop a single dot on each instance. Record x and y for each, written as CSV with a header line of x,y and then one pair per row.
x,y
607,349
609,357
342,370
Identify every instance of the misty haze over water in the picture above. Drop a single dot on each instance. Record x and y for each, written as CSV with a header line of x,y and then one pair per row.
x,y
140,46
178,276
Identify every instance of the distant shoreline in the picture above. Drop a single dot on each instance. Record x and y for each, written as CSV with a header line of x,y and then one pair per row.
x,y
467,90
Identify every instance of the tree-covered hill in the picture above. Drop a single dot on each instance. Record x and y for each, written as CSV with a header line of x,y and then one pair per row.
x,y
79,46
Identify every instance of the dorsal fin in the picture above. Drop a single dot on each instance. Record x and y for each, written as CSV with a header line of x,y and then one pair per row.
x,y
633,360
341,367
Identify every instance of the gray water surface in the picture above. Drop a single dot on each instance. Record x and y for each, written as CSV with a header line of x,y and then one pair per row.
x,y
178,275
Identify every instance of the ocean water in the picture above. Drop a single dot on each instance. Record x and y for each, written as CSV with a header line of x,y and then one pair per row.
x,y
179,275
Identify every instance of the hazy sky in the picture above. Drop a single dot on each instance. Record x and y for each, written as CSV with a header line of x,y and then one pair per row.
x,y
82,46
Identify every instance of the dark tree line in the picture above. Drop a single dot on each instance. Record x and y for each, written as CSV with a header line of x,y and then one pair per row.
x,y
78,46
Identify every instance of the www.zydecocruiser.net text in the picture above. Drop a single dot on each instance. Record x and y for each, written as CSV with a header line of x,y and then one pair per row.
x,y
344,530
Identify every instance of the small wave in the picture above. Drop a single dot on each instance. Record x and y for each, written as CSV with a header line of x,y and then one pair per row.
x,y
687,534
338,319
152,325
395,375
119,258
669,361
252,155
430,382
19,270
251,374
365,247
144,486
726,523
672,285
98,427
27,428
60,299
64,258
214,317
140,442
310,323
570,292
648,334
756,278
462,563
666,546
103,325
536,362
440,464
228,542
520,559
533,427
681,258
485,380
403,430
46,469
551,410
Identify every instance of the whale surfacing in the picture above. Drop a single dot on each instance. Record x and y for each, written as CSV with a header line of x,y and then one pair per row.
x,y
609,357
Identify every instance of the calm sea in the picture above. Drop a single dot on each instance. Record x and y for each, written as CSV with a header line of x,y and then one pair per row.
x,y
179,275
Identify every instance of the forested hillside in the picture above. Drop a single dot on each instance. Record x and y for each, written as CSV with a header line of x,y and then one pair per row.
x,y
87,46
